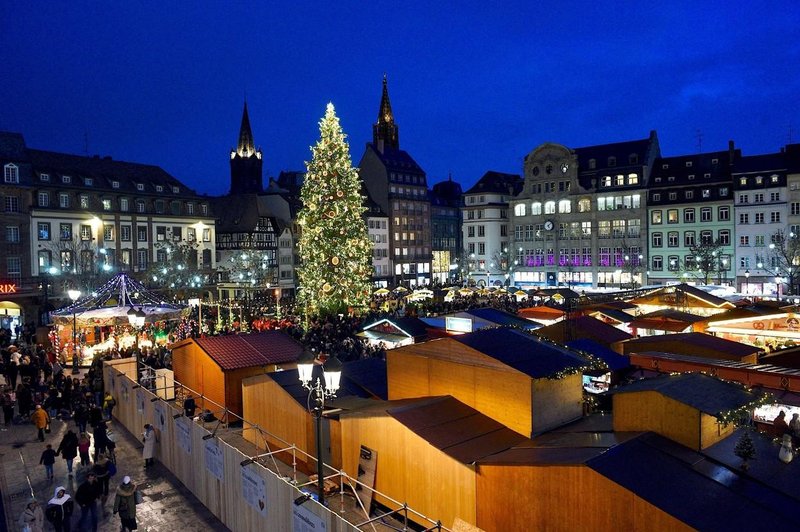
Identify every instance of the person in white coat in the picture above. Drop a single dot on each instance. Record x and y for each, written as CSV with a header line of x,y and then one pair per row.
x,y
149,439
32,517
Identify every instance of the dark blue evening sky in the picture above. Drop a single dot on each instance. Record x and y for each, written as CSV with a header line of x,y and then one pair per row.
x,y
474,85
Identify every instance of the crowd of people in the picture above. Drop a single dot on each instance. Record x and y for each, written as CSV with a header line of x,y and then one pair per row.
x,y
37,390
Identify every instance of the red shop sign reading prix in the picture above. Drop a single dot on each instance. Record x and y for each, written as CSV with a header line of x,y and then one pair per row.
x,y
8,288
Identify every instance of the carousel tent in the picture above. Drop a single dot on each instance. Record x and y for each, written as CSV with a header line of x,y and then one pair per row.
x,y
110,304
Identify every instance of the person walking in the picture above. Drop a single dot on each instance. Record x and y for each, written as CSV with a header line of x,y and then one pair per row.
x,y
125,504
108,405
59,510
47,459
87,496
32,517
102,471
84,442
41,420
9,400
100,439
149,439
68,449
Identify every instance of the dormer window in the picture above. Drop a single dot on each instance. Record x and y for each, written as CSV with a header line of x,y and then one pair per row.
x,y
612,161
633,158
159,188
665,167
11,173
592,164
707,176
140,186
88,181
759,180
714,161
66,179
44,178
658,180
115,184
691,177
671,178
176,190
773,178
688,164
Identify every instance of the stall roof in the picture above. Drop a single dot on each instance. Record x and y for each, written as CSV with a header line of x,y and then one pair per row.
x,y
369,374
248,350
708,394
456,429
687,290
583,327
615,314
666,320
398,327
696,339
503,318
712,496
533,356
541,312
614,360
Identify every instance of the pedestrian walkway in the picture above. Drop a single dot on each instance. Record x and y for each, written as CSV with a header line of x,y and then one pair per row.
x,y
167,506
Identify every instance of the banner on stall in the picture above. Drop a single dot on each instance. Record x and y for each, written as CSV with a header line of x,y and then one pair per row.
x,y
183,433
140,398
160,415
214,462
304,520
254,490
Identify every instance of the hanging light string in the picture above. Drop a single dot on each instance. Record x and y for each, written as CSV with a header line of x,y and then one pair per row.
x,y
120,291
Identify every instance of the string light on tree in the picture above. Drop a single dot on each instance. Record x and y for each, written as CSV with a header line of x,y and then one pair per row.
x,y
334,246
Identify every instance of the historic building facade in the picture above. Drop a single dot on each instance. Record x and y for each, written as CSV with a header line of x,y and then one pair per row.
x,y
581,219
690,207
487,258
87,217
446,241
761,206
398,185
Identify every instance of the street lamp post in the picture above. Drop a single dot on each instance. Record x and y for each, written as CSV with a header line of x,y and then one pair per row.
x,y
331,372
746,281
74,295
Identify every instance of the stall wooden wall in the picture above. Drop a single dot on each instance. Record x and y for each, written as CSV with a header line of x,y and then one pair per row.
x,y
409,469
481,382
649,410
556,401
268,405
224,498
561,498
196,370
233,386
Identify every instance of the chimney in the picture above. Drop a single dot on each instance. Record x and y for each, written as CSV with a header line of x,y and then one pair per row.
x,y
731,151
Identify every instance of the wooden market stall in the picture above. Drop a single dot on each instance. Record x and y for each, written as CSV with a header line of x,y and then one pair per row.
x,y
215,366
693,409
666,321
683,297
426,451
527,383
585,327
694,344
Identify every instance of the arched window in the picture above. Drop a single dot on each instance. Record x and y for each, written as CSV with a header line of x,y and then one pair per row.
x,y
519,209
550,207
11,173
536,208
565,205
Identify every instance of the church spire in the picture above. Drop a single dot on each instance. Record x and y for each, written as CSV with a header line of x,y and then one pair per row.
x,y
384,132
246,163
246,146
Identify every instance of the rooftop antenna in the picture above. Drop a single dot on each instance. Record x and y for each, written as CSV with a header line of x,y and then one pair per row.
x,y
699,135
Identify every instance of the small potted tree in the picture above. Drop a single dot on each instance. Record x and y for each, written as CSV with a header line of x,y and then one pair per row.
x,y
745,449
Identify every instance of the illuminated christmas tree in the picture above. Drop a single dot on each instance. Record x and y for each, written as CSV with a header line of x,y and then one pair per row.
x,y
334,246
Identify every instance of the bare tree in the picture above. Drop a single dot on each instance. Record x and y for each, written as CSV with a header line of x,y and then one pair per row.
x,y
176,271
784,258
79,263
703,261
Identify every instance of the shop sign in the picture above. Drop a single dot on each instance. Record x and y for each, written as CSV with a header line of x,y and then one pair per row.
x,y
8,288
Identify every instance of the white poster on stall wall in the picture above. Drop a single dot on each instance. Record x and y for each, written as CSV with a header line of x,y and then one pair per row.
x,y
124,391
214,458
140,398
304,520
160,415
183,433
254,489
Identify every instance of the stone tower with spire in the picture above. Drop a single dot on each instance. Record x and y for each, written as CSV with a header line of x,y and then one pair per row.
x,y
246,161
384,132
